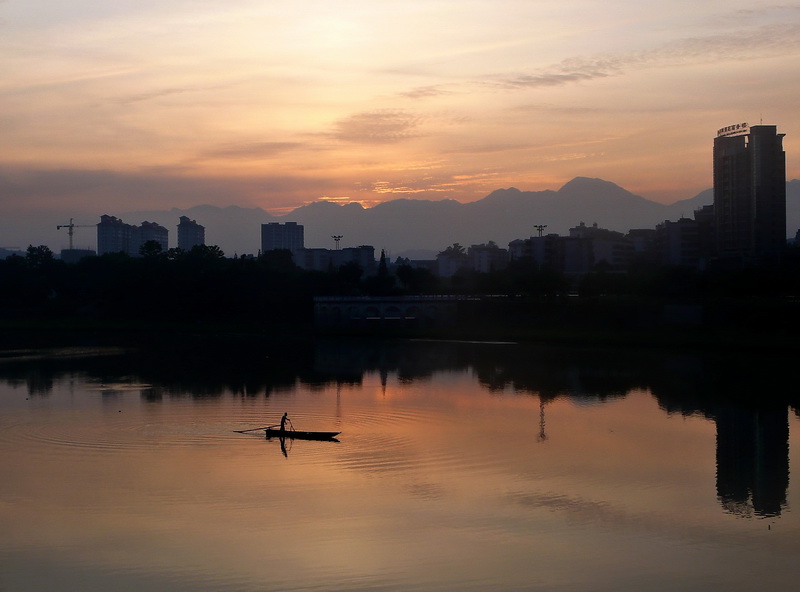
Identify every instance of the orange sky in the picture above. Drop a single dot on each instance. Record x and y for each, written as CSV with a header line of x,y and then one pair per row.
x,y
112,107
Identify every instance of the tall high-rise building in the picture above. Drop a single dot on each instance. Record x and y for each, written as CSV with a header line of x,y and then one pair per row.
x,y
190,233
115,236
750,193
282,236
151,231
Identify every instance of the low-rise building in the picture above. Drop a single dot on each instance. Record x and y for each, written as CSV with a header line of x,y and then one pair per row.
x,y
608,247
75,255
489,257
332,259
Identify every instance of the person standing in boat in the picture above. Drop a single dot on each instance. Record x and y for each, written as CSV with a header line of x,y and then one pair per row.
x,y
283,422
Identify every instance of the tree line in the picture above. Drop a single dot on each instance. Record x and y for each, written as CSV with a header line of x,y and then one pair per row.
x,y
203,284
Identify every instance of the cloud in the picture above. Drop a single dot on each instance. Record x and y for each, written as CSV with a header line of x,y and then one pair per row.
x,y
426,92
556,79
377,127
385,187
254,150
155,94
748,15
486,148
105,191
760,42
166,92
569,110
747,44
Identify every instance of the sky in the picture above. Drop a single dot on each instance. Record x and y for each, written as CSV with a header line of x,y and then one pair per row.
x,y
107,107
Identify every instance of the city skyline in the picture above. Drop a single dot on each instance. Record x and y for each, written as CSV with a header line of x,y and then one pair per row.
x,y
150,105
413,228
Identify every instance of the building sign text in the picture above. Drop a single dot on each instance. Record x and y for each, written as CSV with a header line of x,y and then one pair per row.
x,y
733,130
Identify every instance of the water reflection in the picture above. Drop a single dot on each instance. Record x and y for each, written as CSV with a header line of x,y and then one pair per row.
x,y
683,383
752,460
745,395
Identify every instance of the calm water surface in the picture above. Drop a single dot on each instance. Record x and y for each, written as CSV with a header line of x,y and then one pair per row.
x,y
459,467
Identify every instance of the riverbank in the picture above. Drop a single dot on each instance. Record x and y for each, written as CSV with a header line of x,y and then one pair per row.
x,y
16,333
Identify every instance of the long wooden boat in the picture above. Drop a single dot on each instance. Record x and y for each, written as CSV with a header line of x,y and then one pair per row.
x,y
297,435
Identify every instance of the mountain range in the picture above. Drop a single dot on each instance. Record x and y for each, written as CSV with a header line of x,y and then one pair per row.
x,y
421,228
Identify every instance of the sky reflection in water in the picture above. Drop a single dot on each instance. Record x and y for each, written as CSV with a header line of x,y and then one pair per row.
x,y
460,467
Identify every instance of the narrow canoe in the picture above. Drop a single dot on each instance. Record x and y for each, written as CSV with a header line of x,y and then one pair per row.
x,y
296,435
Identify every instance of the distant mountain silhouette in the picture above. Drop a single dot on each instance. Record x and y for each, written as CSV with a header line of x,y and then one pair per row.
x,y
426,227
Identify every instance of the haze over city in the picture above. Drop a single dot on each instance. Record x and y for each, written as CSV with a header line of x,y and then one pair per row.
x,y
135,106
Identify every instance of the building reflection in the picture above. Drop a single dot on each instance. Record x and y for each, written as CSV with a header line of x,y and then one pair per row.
x,y
752,460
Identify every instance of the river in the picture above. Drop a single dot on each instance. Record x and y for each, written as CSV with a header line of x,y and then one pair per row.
x,y
460,466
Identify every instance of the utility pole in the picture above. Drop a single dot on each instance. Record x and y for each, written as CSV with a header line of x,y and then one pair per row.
x,y
540,228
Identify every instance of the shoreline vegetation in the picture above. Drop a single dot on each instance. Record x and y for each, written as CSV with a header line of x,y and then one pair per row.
x,y
201,294
602,331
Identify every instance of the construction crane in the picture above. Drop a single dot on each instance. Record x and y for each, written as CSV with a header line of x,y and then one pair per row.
x,y
71,229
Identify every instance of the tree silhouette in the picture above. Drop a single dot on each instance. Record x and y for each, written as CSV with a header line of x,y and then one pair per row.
x,y
417,280
455,250
39,256
151,249
207,252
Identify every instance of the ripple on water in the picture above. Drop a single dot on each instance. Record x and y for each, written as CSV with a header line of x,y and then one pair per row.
x,y
401,440
117,432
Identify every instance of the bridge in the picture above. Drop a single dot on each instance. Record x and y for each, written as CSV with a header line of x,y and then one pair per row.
x,y
386,312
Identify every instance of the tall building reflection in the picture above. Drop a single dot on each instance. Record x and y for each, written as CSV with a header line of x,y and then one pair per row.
x,y
752,460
